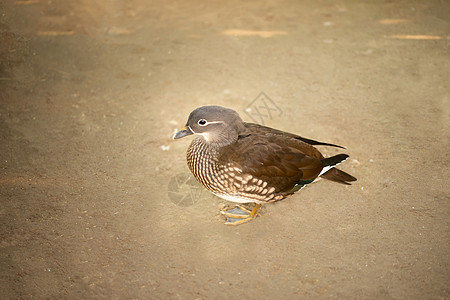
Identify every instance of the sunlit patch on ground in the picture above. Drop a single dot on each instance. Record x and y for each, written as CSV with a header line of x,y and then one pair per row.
x,y
393,21
56,33
416,37
260,33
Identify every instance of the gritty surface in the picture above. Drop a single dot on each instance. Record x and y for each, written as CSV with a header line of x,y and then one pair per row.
x,y
95,196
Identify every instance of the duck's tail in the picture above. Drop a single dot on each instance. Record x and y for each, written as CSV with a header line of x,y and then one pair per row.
x,y
331,173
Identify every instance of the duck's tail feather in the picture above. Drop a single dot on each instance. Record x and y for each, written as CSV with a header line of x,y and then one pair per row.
x,y
338,176
331,173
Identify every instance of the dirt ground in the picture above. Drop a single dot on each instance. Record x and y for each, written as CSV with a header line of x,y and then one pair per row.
x,y
96,200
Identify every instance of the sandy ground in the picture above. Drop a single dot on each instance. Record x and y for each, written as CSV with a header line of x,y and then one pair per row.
x,y
96,201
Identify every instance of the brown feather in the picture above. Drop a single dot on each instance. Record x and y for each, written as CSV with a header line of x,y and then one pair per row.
x,y
338,176
260,155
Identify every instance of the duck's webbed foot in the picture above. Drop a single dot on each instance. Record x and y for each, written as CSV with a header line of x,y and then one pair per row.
x,y
239,214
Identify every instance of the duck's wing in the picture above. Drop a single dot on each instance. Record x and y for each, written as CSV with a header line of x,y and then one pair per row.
x,y
273,161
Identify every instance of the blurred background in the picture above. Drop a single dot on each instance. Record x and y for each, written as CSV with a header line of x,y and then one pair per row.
x,y
97,201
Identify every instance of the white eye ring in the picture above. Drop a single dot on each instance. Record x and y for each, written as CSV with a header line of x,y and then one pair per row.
x,y
202,122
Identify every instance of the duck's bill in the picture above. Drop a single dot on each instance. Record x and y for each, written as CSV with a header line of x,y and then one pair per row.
x,y
185,131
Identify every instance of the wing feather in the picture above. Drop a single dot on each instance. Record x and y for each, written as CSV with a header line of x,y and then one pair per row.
x,y
282,167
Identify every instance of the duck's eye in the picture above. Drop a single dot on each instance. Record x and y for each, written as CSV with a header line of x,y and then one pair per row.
x,y
202,122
